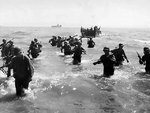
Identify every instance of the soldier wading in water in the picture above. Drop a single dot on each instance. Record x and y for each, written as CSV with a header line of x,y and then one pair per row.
x,y
108,61
22,71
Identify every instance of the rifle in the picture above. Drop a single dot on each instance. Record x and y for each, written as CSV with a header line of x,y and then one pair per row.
x,y
140,59
2,69
10,40
74,36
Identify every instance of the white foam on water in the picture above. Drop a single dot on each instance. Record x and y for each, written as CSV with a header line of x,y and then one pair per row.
x,y
2,74
41,56
121,75
40,76
85,61
43,82
68,61
59,53
68,56
30,94
7,85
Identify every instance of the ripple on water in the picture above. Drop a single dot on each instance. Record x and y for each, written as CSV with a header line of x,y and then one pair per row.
x,y
142,83
142,86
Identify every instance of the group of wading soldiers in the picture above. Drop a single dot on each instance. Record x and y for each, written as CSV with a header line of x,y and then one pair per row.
x,y
23,69
34,49
71,46
15,60
110,59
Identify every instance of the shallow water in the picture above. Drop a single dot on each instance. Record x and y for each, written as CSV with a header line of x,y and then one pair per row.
x,y
60,87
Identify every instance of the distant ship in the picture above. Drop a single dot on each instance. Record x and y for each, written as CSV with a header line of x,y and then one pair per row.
x,y
58,25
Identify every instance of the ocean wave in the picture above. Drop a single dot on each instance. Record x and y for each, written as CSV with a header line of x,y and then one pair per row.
x,y
142,41
20,33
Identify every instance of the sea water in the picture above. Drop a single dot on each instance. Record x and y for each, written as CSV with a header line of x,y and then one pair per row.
x,y
60,87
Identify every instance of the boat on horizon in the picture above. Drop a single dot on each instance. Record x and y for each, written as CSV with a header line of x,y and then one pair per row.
x,y
58,25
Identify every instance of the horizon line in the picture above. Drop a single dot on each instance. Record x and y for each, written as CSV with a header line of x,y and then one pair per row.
x,y
72,26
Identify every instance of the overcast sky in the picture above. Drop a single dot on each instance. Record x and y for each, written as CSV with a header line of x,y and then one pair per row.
x,y
75,13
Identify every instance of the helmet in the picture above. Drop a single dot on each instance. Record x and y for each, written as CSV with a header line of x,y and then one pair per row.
x,y
106,49
35,39
121,45
17,50
65,42
11,42
146,49
4,40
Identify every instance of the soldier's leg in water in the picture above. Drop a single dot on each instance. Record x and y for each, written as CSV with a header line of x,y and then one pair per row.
x,y
19,88
79,59
9,72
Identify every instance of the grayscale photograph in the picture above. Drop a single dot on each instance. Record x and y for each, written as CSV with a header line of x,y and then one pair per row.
x,y
74,56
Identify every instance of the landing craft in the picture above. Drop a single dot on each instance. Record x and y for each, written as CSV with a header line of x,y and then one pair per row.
x,y
90,32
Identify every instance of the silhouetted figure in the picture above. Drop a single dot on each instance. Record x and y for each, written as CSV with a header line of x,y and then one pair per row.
x,y
3,47
108,61
37,44
22,71
66,48
34,49
53,41
77,42
146,59
119,55
90,43
9,54
77,53
9,48
71,41
59,42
